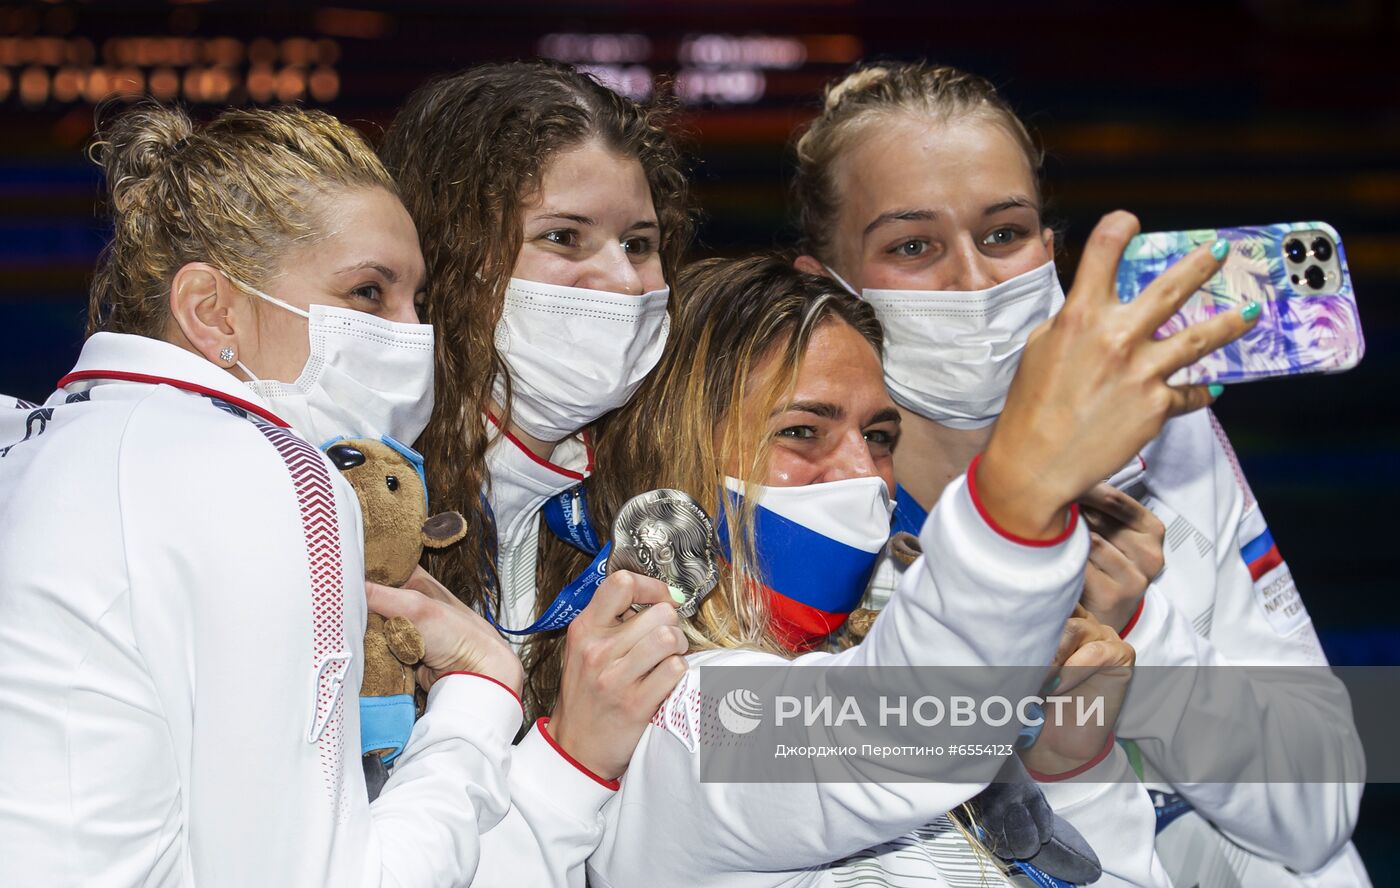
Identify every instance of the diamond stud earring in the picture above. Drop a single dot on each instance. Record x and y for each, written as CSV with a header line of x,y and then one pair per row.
x,y
227,355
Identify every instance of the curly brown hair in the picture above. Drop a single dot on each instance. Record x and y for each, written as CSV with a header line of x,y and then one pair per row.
x,y
468,151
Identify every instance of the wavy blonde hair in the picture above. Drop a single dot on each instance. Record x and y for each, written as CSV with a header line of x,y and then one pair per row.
x,y
738,336
237,193
872,94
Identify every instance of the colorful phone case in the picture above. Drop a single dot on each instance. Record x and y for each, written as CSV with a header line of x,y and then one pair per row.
x,y
1298,332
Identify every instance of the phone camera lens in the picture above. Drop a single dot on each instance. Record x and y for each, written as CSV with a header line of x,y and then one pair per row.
x,y
1295,250
1315,277
1322,249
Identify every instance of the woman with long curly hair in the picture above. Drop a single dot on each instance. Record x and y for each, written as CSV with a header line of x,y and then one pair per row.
x,y
553,214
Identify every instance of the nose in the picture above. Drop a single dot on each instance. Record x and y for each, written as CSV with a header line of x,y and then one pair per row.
x,y
611,270
850,458
968,268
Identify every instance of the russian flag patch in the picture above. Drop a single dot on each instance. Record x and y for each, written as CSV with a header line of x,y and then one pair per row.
x,y
1273,583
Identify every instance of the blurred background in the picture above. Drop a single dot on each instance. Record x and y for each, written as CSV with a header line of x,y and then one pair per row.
x,y
1191,113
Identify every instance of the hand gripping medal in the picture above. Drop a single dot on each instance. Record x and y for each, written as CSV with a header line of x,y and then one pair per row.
x,y
666,535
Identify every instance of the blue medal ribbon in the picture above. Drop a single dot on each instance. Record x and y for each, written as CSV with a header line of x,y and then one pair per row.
x,y
566,514
909,516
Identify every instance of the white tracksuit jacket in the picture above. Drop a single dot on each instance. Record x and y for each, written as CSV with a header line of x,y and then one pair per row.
x,y
1227,598
975,598
181,621
1206,608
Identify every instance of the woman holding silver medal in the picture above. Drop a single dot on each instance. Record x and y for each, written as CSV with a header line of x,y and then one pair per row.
x,y
553,213
771,389
917,184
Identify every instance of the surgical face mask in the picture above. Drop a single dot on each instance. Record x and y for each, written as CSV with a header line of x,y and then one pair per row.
x,y
817,546
950,355
575,354
365,377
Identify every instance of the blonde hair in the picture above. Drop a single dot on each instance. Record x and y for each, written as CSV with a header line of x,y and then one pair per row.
x,y
731,316
236,193
876,92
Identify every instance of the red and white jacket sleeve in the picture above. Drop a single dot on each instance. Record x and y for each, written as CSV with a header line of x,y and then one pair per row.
x,y
554,822
976,597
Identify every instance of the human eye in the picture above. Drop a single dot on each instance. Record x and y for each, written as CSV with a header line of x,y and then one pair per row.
x,y
564,237
912,247
1000,237
881,441
371,293
798,432
639,246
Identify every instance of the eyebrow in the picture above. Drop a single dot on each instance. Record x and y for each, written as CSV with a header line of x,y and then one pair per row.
x,y
570,217
889,414
899,216
824,409
385,271
1011,203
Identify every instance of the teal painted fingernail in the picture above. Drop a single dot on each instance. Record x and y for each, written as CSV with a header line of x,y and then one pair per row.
x,y
1219,248
1215,389
1050,686
1252,310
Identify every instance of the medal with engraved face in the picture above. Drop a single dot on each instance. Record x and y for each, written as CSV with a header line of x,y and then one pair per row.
x,y
665,535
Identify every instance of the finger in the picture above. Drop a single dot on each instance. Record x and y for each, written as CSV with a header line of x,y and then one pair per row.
x,y
1113,503
422,581
1077,632
1174,286
658,685
634,631
1112,562
650,650
1098,266
1189,345
390,602
613,601
1184,399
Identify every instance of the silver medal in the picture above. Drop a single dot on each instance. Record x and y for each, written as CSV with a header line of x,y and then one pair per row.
x,y
666,535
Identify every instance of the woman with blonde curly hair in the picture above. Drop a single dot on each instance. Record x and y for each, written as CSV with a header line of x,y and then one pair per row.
x,y
183,570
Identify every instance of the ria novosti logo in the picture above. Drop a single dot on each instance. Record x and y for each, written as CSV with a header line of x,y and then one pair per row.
x,y
740,711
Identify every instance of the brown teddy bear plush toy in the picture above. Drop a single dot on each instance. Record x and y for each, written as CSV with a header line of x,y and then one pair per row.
x,y
388,479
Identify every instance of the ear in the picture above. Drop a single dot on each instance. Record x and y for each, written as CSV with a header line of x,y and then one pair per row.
x,y
444,529
209,311
809,264
1048,235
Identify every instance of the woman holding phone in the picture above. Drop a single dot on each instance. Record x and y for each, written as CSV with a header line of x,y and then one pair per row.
x,y
771,391
918,189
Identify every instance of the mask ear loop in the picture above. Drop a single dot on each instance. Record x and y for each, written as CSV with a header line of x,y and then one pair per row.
x,y
840,280
254,291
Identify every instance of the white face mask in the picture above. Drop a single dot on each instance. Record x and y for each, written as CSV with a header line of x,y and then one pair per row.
x,y
950,355
575,354
365,377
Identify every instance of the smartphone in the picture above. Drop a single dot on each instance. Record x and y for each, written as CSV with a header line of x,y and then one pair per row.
x,y
1296,271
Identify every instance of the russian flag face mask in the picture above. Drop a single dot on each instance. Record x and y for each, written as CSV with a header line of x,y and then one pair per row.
x,y
816,547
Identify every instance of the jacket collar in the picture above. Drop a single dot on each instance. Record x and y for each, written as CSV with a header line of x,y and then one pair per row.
x,y
126,357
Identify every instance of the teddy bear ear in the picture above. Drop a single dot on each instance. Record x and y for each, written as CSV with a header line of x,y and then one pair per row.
x,y
345,456
444,529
